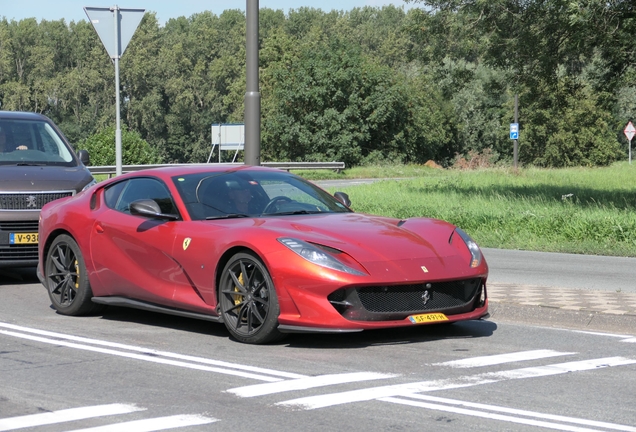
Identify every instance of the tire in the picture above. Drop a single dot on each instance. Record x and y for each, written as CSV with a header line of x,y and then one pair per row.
x,y
248,302
66,278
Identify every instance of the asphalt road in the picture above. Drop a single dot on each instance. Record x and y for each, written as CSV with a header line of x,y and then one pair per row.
x,y
562,270
525,369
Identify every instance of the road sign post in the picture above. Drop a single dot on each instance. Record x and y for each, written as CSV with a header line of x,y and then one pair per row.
x,y
629,132
115,27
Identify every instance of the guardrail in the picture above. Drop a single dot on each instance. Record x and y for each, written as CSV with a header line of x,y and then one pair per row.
x,y
111,170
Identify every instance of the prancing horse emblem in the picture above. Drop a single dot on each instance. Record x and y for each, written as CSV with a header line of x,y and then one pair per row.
x,y
425,297
424,269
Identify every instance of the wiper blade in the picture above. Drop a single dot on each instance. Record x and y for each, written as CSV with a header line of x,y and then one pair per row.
x,y
295,212
29,164
228,216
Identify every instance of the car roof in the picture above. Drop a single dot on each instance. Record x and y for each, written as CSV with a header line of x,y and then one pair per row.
x,y
167,172
22,115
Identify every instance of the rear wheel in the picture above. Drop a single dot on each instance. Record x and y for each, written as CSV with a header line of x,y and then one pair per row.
x,y
66,278
248,300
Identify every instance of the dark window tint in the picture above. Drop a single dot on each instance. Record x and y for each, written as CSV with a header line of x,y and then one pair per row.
x,y
121,195
111,194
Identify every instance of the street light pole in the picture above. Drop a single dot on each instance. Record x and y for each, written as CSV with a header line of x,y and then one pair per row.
x,y
252,95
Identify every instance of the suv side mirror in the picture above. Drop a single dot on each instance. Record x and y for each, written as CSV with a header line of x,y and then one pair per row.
x,y
84,157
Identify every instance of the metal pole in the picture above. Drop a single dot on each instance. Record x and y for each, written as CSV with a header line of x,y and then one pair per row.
x,y
630,152
252,95
118,162
516,146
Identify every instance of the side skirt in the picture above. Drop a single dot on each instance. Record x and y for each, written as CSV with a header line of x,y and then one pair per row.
x,y
299,329
136,304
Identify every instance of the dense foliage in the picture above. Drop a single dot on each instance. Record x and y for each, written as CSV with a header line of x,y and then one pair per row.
x,y
135,150
370,85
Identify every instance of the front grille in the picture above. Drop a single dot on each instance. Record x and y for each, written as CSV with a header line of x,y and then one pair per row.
x,y
19,226
377,303
29,200
409,298
19,252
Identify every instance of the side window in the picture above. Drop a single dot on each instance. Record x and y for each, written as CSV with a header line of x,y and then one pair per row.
x,y
120,195
112,193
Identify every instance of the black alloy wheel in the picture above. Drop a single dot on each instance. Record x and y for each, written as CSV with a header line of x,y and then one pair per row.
x,y
66,278
248,300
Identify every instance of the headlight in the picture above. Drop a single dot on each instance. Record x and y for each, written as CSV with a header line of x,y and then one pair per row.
x,y
475,252
91,183
317,256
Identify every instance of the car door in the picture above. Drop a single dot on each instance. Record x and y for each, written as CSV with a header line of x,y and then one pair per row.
x,y
132,253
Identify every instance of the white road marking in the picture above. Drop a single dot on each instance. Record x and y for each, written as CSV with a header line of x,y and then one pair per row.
x,y
518,412
66,415
630,340
141,357
491,416
151,352
306,383
620,336
503,358
322,401
154,424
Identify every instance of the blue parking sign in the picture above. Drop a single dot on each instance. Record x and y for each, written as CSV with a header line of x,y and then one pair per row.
x,y
514,131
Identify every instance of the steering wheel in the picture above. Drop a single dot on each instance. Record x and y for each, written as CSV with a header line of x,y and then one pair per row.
x,y
273,203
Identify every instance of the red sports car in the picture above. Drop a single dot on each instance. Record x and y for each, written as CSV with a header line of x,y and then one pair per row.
x,y
261,250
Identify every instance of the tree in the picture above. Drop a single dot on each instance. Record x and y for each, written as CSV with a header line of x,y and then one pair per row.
x,y
135,150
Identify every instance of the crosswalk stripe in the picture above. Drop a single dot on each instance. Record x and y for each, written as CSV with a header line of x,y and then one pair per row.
x,y
322,401
152,352
515,411
503,358
306,383
153,424
66,415
492,416
142,357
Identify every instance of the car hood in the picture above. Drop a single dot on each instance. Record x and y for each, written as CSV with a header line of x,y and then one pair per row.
x,y
369,238
43,178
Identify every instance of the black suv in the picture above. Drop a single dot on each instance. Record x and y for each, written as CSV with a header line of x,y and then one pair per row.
x,y
37,165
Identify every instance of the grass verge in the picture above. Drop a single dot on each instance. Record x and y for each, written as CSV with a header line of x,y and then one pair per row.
x,y
575,210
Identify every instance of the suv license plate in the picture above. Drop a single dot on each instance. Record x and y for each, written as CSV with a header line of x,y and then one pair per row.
x,y
23,238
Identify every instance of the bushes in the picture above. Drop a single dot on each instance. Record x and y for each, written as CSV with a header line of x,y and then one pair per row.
x,y
135,150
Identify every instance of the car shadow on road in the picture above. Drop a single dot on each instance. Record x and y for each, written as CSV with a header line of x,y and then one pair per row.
x,y
13,276
155,319
395,336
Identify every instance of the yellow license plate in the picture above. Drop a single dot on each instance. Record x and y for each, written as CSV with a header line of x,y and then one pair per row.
x,y
23,238
428,318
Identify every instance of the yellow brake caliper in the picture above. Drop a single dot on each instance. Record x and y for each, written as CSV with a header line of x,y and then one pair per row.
x,y
78,276
238,297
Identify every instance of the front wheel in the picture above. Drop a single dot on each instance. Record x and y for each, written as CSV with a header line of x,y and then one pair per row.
x,y
248,300
66,278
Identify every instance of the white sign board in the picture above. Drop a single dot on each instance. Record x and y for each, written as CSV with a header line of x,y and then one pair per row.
x,y
103,20
630,131
228,137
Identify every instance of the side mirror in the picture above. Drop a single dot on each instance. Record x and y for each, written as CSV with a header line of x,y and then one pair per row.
x,y
84,157
343,198
149,208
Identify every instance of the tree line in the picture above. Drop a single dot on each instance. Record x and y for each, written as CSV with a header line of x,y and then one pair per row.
x,y
370,85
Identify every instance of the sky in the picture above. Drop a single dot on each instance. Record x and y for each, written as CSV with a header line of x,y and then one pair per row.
x,y
73,10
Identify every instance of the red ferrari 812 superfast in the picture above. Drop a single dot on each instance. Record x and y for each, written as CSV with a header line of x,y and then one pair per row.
x,y
258,249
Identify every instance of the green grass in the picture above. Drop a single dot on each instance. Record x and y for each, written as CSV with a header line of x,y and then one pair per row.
x,y
578,210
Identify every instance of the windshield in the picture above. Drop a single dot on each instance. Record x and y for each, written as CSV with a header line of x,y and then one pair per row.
x,y
32,142
252,194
